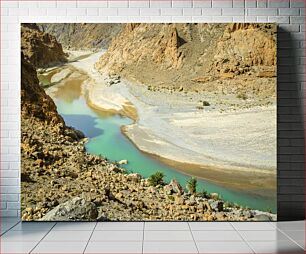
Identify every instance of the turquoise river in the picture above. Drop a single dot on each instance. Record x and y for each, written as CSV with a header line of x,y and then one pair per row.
x,y
106,139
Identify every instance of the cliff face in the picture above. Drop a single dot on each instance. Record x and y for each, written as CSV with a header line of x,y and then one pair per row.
x,y
39,48
82,35
147,45
34,101
246,46
185,56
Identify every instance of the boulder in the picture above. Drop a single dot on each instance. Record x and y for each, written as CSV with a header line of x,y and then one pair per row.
x,y
214,195
122,162
136,178
179,200
25,177
201,79
262,217
177,188
206,206
76,209
227,75
217,205
173,187
266,74
247,213
114,168
168,189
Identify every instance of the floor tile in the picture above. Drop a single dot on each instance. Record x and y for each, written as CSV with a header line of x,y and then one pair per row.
x,y
276,247
297,235
5,228
216,236
291,225
223,247
9,220
17,247
119,226
69,236
106,236
33,226
60,247
167,236
169,247
166,226
265,235
7,225
23,236
253,225
71,226
221,226
111,247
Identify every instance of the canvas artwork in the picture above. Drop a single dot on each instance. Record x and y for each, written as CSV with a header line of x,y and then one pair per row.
x,y
148,122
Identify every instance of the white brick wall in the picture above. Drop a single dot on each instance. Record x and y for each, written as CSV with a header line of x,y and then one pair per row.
x,y
289,13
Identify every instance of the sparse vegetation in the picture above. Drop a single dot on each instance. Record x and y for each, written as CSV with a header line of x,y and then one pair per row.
x,y
268,209
171,197
228,204
242,96
156,178
204,194
192,185
206,103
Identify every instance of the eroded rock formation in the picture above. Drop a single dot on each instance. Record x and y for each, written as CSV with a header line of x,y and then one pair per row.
x,y
82,35
195,57
34,101
39,48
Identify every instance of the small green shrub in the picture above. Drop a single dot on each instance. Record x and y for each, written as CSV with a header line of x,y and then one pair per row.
x,y
206,103
269,210
229,204
204,194
170,197
156,178
242,96
192,185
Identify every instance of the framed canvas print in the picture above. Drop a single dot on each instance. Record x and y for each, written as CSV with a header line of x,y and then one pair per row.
x,y
148,122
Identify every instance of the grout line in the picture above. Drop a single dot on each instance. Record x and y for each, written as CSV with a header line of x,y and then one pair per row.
x,y
244,240
42,238
10,227
90,237
273,224
290,238
143,232
232,226
193,238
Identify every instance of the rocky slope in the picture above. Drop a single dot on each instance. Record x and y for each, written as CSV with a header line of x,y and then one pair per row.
x,y
227,58
58,175
82,35
39,48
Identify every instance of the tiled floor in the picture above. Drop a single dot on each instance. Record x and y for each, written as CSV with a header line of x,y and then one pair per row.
x,y
152,237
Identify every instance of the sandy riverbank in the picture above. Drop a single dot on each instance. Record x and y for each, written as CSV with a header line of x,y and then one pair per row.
x,y
235,147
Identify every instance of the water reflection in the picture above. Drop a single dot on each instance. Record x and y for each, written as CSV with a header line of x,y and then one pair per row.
x,y
85,123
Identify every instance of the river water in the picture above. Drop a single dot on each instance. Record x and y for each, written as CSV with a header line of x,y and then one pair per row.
x,y
106,139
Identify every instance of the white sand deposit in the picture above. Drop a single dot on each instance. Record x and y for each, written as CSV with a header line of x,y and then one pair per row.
x,y
57,77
